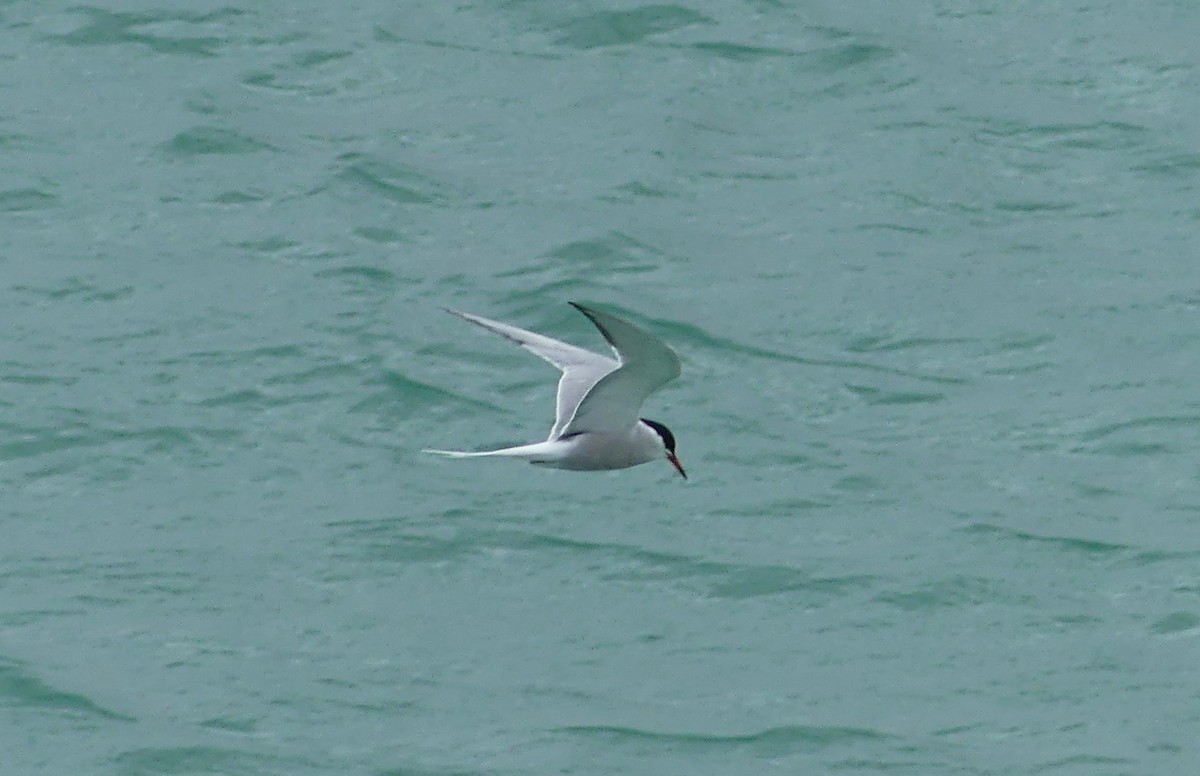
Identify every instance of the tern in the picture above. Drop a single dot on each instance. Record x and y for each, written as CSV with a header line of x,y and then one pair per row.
x,y
596,423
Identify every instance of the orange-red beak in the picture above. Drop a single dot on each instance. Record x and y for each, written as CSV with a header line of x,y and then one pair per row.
x,y
675,461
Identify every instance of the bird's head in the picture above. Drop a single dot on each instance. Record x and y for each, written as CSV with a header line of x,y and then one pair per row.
x,y
668,443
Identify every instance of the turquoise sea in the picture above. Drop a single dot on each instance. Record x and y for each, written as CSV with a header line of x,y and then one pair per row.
x,y
933,270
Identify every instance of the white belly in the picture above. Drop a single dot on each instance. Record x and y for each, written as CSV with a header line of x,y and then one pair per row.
x,y
596,450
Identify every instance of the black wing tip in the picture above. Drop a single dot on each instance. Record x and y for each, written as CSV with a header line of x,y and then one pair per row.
x,y
595,322
583,308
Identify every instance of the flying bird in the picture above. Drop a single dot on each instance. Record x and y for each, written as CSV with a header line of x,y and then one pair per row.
x,y
596,423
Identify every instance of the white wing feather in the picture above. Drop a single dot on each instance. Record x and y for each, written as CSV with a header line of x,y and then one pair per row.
x,y
595,392
647,364
581,369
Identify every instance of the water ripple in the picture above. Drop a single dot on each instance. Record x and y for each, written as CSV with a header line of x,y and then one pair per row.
x,y
203,140
31,442
949,593
772,742
1101,136
386,541
27,199
107,28
154,761
20,688
1071,543
395,182
698,335
616,28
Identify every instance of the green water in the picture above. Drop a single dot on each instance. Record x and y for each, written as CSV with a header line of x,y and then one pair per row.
x,y
931,268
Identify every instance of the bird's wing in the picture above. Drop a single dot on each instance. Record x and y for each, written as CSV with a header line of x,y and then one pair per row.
x,y
581,369
646,364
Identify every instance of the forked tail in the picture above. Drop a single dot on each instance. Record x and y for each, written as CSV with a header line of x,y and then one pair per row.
x,y
538,452
460,453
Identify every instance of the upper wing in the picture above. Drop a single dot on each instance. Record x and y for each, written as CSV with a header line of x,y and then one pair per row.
x,y
581,369
646,364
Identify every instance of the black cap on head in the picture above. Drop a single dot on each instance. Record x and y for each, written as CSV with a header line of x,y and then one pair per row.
x,y
667,437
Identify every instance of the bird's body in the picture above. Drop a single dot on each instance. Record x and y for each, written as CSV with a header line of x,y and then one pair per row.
x,y
585,451
596,425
